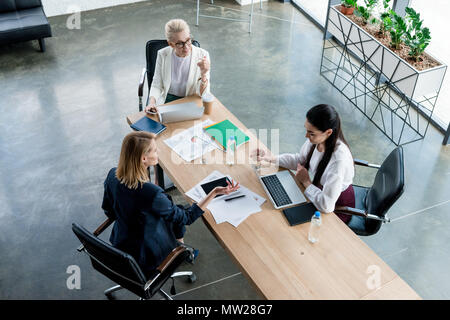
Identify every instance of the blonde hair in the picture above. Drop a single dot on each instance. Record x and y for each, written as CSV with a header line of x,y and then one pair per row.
x,y
130,170
174,26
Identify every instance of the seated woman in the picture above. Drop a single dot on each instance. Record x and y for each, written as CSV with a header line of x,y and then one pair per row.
x,y
181,68
327,157
148,225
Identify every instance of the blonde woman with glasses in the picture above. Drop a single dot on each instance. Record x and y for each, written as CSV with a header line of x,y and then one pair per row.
x,y
181,69
148,225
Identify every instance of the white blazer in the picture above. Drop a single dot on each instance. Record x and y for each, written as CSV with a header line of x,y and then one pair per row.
x,y
163,73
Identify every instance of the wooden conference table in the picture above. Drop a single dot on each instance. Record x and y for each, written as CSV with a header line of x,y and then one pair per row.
x,y
276,258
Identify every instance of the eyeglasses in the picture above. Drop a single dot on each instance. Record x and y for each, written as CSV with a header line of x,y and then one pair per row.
x,y
181,44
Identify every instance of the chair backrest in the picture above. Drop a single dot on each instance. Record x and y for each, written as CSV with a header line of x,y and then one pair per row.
x,y
13,5
115,264
386,189
151,53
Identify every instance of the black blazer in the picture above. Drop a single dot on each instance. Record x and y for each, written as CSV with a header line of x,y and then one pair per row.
x,y
144,220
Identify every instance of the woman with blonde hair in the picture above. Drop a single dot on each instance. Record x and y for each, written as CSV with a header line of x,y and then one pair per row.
x,y
181,69
148,225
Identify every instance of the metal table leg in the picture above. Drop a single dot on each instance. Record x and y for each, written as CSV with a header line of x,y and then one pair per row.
x,y
223,18
159,174
447,136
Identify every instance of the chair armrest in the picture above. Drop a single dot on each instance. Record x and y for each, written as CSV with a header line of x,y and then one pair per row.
x,y
361,213
170,258
366,163
141,87
103,227
99,230
141,82
165,264
351,211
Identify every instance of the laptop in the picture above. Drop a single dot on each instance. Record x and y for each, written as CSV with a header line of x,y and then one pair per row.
x,y
180,112
282,189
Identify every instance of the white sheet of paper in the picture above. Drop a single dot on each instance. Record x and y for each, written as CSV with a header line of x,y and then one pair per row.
x,y
233,211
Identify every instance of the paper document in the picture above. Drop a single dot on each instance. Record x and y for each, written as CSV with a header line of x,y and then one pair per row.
x,y
192,143
234,211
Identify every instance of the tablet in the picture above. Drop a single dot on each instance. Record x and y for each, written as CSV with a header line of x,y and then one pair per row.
x,y
209,186
300,214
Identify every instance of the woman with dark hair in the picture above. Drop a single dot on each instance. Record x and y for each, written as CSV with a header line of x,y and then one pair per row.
x,y
327,157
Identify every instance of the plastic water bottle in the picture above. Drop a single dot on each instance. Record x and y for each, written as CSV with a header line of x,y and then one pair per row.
x,y
231,149
316,222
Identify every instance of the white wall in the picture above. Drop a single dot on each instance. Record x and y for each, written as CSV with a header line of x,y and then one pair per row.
x,y
60,7
246,2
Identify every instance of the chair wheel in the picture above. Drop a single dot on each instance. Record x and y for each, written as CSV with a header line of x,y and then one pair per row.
x,y
110,296
192,278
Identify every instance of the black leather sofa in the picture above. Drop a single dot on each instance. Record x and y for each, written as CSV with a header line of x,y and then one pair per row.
x,y
23,20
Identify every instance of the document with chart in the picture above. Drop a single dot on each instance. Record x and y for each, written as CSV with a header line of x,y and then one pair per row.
x,y
192,143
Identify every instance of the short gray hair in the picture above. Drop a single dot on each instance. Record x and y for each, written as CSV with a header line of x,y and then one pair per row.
x,y
174,26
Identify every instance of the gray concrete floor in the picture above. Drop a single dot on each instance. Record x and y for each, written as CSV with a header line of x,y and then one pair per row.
x,y
63,119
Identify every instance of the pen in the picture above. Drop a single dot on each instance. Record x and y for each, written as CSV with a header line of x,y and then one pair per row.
x,y
237,197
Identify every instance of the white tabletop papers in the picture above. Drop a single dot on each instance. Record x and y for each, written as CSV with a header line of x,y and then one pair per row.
x,y
233,211
192,143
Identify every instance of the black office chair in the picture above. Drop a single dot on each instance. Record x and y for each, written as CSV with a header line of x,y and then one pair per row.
x,y
151,53
121,267
373,203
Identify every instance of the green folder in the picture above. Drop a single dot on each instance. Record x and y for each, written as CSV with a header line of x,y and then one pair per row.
x,y
223,130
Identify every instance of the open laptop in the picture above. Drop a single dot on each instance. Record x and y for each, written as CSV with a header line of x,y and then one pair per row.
x,y
282,189
180,112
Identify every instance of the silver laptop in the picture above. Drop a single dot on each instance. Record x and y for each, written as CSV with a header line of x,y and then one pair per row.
x,y
282,189
179,112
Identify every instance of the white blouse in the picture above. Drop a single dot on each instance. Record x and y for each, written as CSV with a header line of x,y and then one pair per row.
x,y
179,74
338,174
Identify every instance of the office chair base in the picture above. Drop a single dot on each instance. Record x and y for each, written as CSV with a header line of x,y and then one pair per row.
x,y
108,292
165,295
191,276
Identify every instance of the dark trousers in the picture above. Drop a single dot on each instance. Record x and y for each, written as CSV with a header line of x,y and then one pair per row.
x,y
346,199
171,97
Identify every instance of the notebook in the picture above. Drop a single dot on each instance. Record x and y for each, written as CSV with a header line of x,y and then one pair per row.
x,y
147,124
300,214
223,130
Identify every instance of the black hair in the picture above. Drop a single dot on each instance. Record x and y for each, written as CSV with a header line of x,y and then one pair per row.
x,y
324,117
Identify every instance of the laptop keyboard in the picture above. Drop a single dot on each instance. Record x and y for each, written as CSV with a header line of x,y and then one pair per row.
x,y
276,190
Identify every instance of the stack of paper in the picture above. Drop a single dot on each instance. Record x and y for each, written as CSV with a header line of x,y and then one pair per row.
x,y
233,211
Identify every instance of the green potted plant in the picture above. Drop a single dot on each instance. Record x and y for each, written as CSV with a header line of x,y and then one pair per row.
x,y
348,6
398,30
365,12
416,37
385,19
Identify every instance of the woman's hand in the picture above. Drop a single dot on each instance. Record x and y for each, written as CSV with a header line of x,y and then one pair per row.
x,y
302,176
204,65
151,108
231,187
260,155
